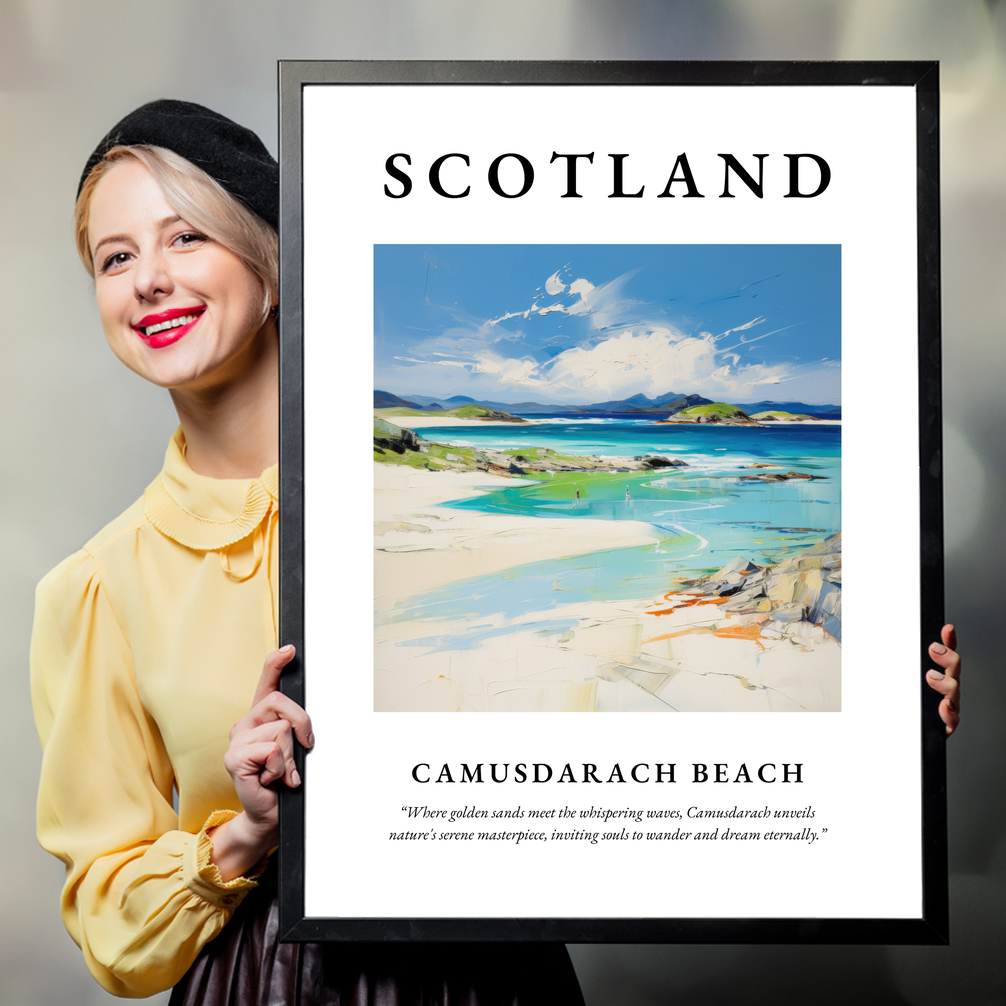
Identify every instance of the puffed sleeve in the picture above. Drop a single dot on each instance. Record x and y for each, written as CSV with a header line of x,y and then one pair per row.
x,y
141,898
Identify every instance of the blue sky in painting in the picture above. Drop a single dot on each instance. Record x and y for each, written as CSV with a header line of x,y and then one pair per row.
x,y
579,324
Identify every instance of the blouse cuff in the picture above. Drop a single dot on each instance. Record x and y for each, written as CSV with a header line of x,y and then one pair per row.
x,y
202,876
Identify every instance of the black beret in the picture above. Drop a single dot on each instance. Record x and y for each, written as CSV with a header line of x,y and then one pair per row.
x,y
230,154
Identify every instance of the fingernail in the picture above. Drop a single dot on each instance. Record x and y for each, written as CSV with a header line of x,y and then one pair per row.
x,y
936,675
287,649
310,740
295,777
938,648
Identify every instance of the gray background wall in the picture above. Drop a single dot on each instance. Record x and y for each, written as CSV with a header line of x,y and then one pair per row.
x,y
81,436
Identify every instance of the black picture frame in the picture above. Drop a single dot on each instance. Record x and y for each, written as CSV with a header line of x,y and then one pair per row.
x,y
932,926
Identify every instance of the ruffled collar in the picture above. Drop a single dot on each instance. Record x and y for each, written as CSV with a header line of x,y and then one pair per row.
x,y
203,513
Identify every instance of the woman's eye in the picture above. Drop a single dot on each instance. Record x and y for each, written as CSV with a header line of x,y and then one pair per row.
x,y
190,238
114,261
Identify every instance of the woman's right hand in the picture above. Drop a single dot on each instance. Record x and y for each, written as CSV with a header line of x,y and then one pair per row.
x,y
260,753
948,681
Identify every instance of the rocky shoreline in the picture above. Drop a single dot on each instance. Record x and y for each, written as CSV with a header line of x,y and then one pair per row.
x,y
798,599
399,445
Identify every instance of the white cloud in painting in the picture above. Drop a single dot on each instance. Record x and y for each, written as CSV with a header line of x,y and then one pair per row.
x,y
436,363
603,303
734,378
632,362
745,327
621,351
554,285
649,361
509,370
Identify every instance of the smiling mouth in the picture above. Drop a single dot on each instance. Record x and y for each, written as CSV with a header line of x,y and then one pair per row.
x,y
167,321
185,319
167,327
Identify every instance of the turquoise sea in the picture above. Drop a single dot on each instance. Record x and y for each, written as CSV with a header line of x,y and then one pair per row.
x,y
704,515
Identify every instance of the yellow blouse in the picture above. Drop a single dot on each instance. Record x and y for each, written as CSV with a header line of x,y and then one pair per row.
x,y
147,647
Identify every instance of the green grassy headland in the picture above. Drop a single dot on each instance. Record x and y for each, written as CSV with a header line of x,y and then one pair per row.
x,y
779,415
721,409
463,412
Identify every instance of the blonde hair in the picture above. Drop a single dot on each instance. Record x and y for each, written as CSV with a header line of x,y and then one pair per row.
x,y
199,200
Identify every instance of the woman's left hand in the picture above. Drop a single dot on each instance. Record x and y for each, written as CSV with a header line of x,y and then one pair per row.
x,y
260,754
947,682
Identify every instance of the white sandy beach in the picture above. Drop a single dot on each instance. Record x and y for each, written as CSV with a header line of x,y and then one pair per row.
x,y
421,545
639,655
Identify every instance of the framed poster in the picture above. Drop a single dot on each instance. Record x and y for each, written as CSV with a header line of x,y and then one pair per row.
x,y
647,358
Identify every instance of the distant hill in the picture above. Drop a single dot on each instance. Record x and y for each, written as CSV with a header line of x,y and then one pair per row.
x,y
640,403
386,400
459,401
425,402
479,412
670,403
822,411
637,403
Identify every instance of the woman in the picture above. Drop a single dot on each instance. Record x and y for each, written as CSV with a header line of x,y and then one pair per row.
x,y
148,643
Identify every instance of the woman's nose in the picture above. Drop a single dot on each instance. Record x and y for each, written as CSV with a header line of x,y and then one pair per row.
x,y
152,277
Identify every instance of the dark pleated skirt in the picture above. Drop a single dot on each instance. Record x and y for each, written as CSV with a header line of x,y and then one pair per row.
x,y
246,965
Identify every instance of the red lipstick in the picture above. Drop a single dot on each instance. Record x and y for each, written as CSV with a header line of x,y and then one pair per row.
x,y
166,327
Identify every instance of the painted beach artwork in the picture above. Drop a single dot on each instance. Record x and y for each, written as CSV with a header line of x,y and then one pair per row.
x,y
607,478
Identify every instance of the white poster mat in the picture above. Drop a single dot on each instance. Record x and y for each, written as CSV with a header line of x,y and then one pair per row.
x,y
861,766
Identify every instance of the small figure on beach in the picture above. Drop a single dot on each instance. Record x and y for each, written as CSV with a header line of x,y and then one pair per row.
x,y
577,497
626,494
